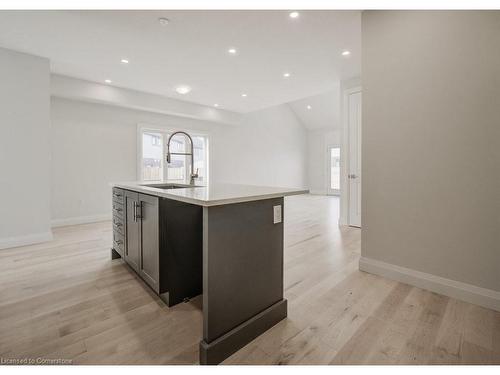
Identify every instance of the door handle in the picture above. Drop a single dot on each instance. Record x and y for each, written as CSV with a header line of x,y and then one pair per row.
x,y
137,211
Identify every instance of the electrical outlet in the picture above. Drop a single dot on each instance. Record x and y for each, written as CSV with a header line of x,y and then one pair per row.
x,y
277,214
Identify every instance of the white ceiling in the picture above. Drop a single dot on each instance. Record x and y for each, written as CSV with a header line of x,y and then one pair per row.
x,y
192,50
324,112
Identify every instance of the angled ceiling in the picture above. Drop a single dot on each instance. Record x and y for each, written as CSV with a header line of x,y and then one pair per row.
x,y
319,111
192,50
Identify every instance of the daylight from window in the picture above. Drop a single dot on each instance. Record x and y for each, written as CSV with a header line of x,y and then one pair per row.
x,y
335,168
154,166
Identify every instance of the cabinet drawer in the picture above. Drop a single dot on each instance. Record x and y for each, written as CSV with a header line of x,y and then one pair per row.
x,y
118,243
118,224
118,196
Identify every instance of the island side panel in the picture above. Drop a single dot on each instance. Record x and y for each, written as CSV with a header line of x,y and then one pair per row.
x,y
181,250
242,275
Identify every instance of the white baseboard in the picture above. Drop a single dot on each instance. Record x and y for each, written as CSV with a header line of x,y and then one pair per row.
x,y
466,292
80,220
29,239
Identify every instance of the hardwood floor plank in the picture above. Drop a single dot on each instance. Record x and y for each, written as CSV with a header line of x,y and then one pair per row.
x,y
67,299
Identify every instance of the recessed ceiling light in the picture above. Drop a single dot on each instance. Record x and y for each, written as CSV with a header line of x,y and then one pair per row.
x,y
244,95
107,81
294,14
309,107
286,75
124,61
183,89
163,21
232,51
346,53
216,105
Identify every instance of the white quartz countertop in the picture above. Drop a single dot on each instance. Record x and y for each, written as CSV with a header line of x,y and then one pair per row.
x,y
213,194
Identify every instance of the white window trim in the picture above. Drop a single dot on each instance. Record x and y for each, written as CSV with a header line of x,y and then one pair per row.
x,y
142,127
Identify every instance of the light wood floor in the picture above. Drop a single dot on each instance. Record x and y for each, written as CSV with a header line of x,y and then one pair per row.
x,y
67,299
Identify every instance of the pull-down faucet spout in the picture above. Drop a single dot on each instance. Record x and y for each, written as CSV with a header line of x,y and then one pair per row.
x,y
193,174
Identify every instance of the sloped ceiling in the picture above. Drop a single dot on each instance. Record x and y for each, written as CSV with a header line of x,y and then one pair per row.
x,y
324,112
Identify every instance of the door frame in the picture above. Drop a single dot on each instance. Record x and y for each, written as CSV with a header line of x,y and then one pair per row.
x,y
344,154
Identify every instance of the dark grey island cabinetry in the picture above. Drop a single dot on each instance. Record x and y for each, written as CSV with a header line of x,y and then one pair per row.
x,y
161,240
222,240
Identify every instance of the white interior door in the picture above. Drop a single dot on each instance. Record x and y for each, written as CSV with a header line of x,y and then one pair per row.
x,y
354,171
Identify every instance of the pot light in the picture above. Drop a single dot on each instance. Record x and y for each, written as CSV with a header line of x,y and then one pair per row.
x,y
124,61
216,105
309,107
232,51
183,90
244,95
346,53
294,14
107,81
286,75
163,21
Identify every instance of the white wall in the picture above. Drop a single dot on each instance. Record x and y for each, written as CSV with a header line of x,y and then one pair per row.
x,y
24,149
269,148
322,122
431,145
95,144
318,141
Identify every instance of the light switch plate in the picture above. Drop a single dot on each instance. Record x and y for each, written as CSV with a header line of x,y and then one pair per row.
x,y
277,214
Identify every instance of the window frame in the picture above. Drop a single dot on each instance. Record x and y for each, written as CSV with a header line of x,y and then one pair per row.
x,y
164,131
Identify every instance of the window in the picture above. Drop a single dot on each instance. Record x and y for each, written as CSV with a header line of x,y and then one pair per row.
x,y
152,158
334,168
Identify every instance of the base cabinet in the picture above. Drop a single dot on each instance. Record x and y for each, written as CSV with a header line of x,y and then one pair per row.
x,y
162,241
142,249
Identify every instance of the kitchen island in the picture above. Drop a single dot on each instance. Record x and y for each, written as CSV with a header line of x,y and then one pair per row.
x,y
222,240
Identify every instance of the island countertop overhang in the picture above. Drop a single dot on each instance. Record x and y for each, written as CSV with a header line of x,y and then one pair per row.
x,y
211,195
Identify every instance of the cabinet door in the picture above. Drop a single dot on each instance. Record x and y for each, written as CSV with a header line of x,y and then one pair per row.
x,y
149,265
132,248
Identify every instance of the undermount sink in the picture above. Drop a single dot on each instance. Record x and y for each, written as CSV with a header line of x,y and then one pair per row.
x,y
170,186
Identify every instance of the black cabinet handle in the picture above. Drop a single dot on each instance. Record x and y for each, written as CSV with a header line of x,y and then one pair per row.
x,y
139,210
